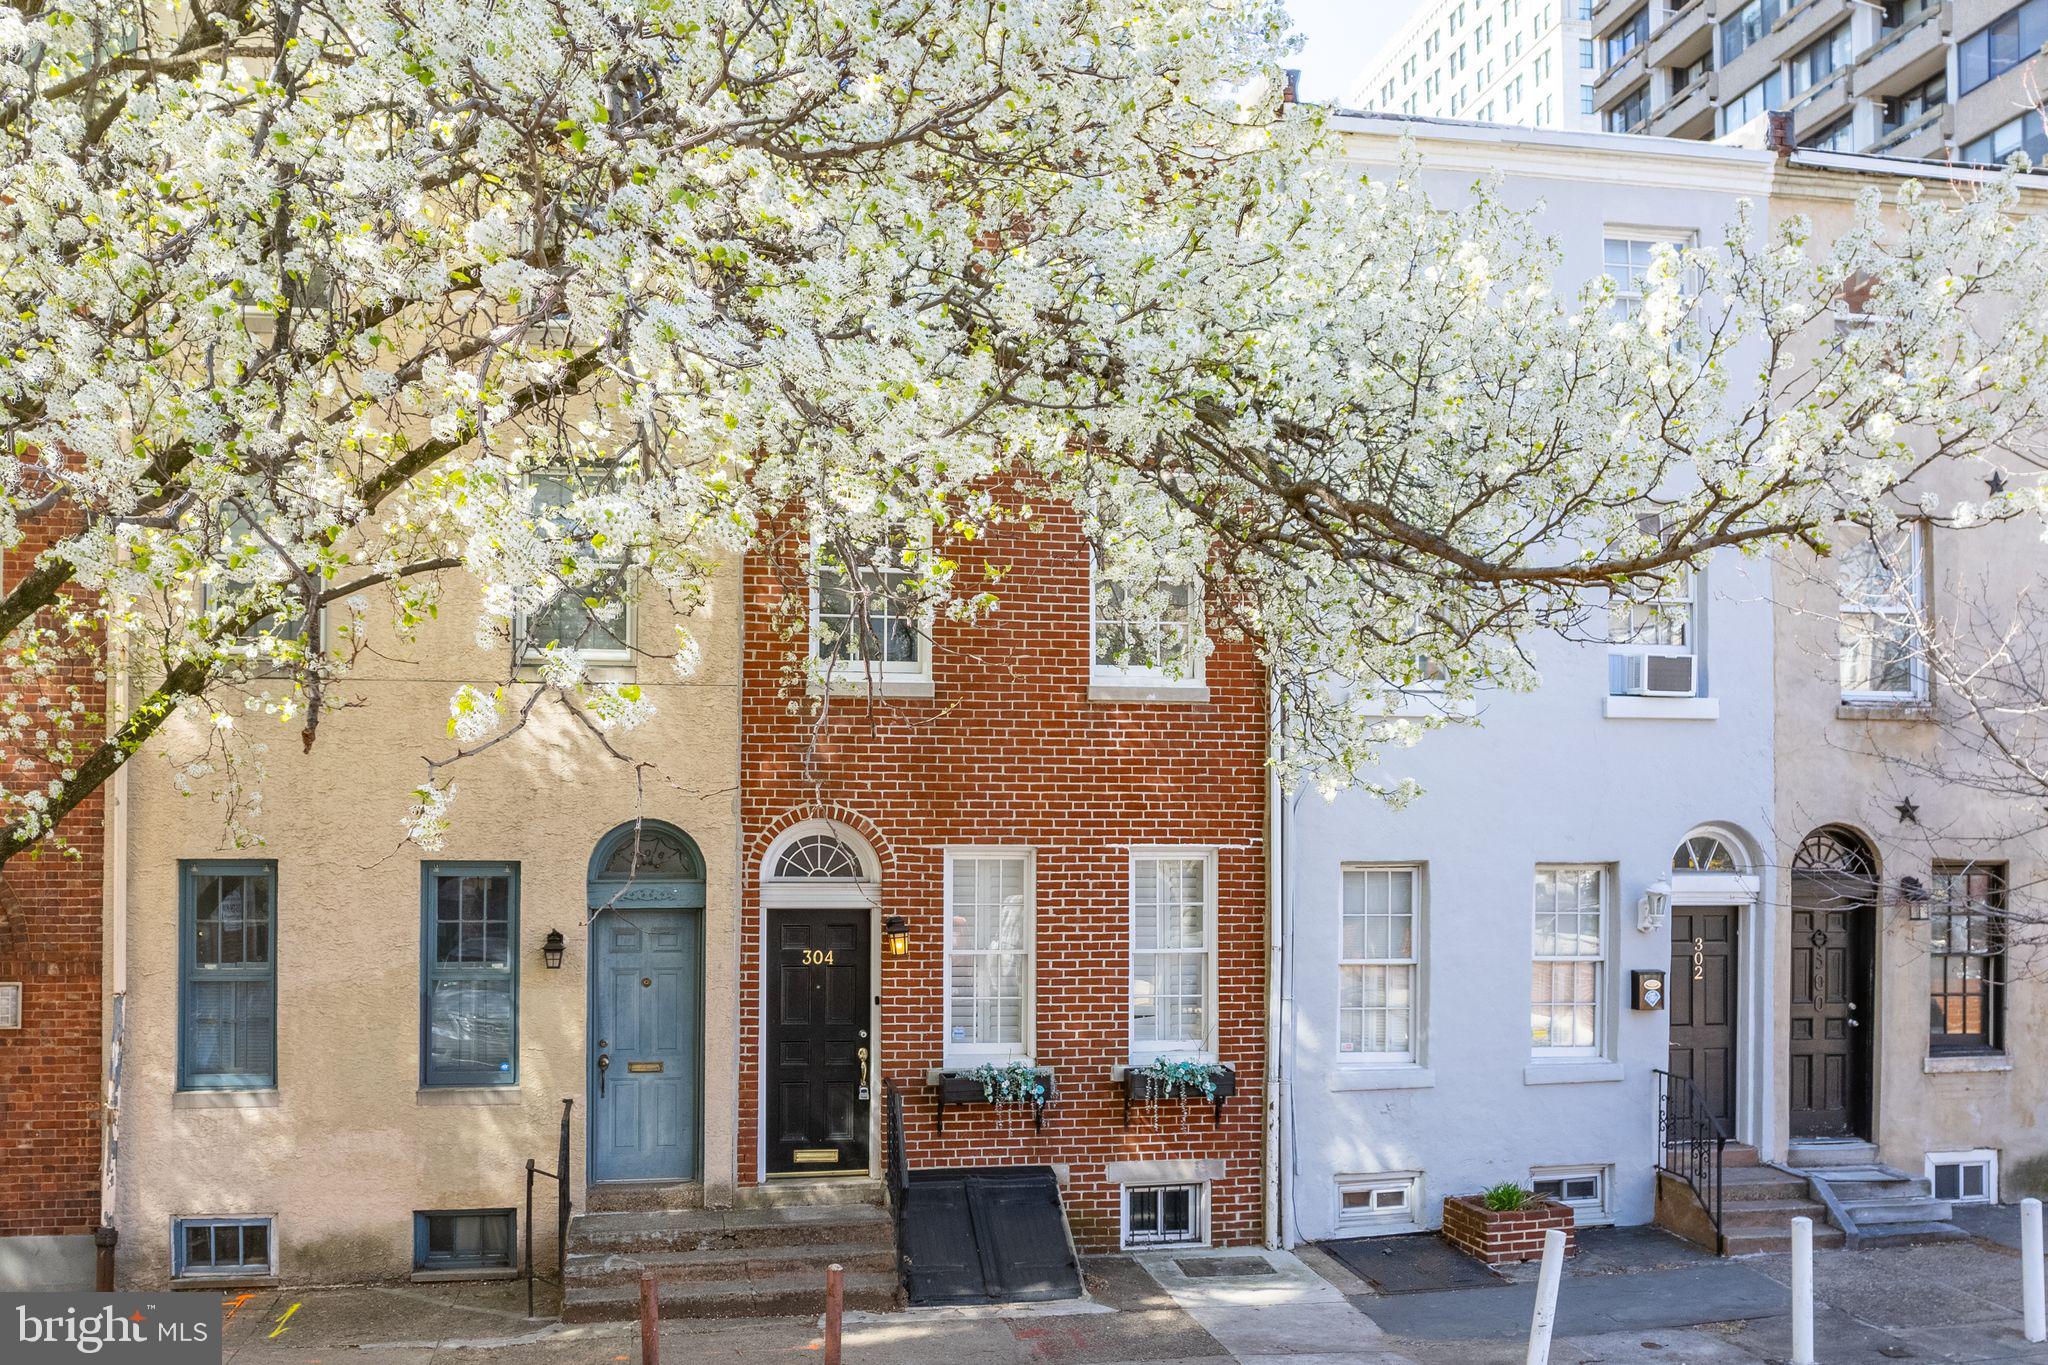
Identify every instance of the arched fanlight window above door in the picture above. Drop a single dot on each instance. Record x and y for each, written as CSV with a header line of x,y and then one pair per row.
x,y
1707,851
1836,850
818,855
820,863
648,852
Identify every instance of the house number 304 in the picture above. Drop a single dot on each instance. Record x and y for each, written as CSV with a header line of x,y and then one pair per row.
x,y
1699,959
817,956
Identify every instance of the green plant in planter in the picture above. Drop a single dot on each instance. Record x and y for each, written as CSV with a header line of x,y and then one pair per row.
x,y
1177,1078
1010,1083
1505,1197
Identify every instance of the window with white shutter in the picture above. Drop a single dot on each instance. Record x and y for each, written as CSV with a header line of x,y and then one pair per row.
x,y
1173,953
990,932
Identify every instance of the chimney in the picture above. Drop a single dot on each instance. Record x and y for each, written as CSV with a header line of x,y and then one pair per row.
x,y
1291,92
1778,133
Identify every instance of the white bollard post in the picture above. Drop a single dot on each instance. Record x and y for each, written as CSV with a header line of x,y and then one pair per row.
x,y
1802,1291
1546,1297
2030,1269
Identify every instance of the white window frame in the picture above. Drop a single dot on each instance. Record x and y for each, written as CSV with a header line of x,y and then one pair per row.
x,y
1373,1222
1914,535
1979,1156
1412,1056
1628,293
1204,1049
974,1054
1595,1210
1194,675
11,1005
1198,1211
857,672
1602,964
528,652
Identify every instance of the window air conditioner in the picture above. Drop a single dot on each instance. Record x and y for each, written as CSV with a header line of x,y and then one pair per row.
x,y
1661,675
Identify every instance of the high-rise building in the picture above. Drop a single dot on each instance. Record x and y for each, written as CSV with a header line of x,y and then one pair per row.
x,y
1906,78
1492,61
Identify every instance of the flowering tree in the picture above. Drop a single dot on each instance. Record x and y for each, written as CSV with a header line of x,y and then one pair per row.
x,y
309,306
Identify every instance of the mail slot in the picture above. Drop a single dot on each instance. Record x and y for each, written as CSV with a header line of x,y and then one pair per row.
x,y
815,1156
643,1066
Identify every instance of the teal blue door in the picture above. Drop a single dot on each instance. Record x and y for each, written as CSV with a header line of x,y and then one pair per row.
x,y
646,1012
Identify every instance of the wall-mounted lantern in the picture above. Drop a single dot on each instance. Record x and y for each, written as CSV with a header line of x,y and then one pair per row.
x,y
1919,905
1654,906
552,946
896,935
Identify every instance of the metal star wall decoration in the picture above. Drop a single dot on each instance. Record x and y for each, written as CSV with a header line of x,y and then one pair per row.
x,y
1996,483
1908,812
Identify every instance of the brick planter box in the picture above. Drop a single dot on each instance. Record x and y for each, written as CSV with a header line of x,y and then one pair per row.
x,y
1497,1238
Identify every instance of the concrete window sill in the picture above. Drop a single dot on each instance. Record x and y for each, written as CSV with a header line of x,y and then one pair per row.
x,y
1663,708
1168,693
1935,1066
1382,1078
225,1099
508,1272
461,1096
216,1283
887,689
1590,1072
1908,711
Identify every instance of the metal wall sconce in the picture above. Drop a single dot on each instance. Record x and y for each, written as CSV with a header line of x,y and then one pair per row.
x,y
1654,906
896,935
1919,905
552,946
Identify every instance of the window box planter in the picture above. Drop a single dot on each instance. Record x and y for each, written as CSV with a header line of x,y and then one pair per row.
x,y
1498,1236
964,1087
1143,1085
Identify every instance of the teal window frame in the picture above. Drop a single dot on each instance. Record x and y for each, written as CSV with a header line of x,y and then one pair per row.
x,y
434,973
191,973
425,1259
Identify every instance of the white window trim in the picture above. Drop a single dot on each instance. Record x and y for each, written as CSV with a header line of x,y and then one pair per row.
x,y
1200,1212
1681,239
1917,690
1207,1049
974,1054
1155,680
15,1008
529,654
1374,1224
854,675
1984,1156
798,893
1603,969
1417,996
1584,1212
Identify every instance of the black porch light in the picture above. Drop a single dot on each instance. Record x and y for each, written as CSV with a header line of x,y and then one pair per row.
x,y
552,946
896,935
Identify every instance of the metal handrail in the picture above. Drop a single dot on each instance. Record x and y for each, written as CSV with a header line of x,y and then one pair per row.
x,y
899,1167
1691,1145
560,1175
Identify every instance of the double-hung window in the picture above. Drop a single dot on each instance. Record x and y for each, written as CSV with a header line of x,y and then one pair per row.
x,y
1173,953
866,618
469,984
589,612
1147,635
1966,1006
1568,984
227,1021
1378,961
1653,637
1883,589
1627,258
990,935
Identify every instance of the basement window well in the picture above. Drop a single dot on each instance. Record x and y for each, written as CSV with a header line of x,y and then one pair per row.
x,y
1163,1215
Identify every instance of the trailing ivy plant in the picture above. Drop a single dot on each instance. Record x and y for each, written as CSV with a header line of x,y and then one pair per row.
x,y
1175,1078
1010,1083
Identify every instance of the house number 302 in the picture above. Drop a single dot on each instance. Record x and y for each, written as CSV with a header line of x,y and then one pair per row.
x,y
1699,959
817,956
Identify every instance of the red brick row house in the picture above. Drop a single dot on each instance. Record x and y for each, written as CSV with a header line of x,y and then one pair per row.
x,y
1002,843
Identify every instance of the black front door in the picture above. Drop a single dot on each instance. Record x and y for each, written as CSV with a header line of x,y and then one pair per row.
x,y
1831,1016
818,1050
1704,996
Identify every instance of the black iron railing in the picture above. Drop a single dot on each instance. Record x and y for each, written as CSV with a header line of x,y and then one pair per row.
x,y
560,1175
899,1167
1691,1145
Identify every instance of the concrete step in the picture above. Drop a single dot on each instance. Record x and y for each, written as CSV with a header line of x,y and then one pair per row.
x,y
1762,1182
1748,1242
1814,1153
724,1263
768,1296
1770,1215
1909,1234
1870,1213
658,1230
626,1196
837,1190
1738,1155
1852,1191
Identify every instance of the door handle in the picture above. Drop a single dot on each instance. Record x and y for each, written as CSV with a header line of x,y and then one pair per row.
x,y
863,1055
604,1064
1854,1024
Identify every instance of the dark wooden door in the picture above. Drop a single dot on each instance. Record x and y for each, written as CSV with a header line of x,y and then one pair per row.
x,y
1705,989
1831,1018
818,1050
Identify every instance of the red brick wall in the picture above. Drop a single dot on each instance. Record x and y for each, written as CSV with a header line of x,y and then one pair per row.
x,y
1011,751
1499,1237
50,904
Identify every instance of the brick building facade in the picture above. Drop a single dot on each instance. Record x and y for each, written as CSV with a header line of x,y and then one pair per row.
x,y
1012,751
51,904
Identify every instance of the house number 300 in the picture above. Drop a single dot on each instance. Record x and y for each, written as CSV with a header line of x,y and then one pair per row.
x,y
816,956
1699,959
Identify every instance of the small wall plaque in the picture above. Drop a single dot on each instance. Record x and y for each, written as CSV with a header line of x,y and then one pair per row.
x,y
1649,990
10,1004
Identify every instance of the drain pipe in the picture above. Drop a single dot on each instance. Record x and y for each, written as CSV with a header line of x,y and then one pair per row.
x,y
1278,1190
114,932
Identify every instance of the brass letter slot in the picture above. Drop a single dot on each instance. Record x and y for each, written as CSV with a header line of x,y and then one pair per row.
x,y
816,1156
643,1066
